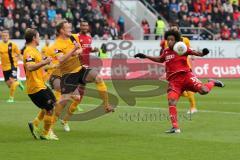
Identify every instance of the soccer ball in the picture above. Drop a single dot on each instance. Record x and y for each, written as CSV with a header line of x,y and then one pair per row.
x,y
180,48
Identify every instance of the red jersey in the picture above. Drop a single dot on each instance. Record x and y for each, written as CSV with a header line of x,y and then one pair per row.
x,y
175,63
86,43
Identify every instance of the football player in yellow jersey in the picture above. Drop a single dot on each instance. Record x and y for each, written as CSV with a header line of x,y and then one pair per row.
x,y
188,94
73,73
44,54
38,92
10,54
55,79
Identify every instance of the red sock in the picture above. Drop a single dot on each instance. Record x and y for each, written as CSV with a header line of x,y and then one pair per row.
x,y
173,116
209,85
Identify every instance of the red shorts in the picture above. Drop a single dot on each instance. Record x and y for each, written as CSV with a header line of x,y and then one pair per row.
x,y
183,81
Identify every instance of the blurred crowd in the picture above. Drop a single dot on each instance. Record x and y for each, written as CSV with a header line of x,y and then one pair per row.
x,y
17,15
221,18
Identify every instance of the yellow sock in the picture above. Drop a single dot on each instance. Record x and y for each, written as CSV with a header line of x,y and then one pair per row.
x,y
57,112
71,109
191,99
185,94
57,95
48,119
13,88
39,118
102,89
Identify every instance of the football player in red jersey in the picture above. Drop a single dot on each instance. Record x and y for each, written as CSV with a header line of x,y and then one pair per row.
x,y
85,39
179,75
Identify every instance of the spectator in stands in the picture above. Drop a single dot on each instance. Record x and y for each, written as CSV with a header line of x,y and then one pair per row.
x,y
22,29
216,15
183,6
106,6
9,5
114,31
227,6
164,8
159,28
97,32
208,7
17,19
184,23
238,31
88,14
225,33
8,22
15,27
43,30
69,15
146,29
17,35
34,10
1,21
173,6
121,24
190,6
18,9
228,21
236,15
51,13
234,36
173,16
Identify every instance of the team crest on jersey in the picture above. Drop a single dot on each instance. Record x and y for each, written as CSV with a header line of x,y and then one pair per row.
x,y
57,51
29,59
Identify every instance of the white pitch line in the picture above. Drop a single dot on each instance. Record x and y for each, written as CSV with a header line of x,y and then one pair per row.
x,y
149,108
185,102
158,108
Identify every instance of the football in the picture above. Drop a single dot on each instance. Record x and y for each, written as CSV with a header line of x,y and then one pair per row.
x,y
180,48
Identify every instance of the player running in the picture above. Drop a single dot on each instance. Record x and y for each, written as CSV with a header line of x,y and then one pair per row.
x,y
74,74
10,54
188,94
179,75
38,92
55,75
86,43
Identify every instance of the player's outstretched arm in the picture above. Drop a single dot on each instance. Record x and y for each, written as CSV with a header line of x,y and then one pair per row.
x,y
154,59
204,52
36,66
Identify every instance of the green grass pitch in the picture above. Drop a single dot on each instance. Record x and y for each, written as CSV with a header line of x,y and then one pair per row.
x,y
213,133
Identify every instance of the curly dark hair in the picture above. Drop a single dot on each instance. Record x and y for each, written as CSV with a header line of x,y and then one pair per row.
x,y
174,33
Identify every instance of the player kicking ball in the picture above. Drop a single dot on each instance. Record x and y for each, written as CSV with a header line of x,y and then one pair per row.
x,y
179,75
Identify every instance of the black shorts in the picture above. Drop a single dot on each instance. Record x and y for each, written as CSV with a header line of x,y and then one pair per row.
x,y
12,73
52,79
69,82
44,99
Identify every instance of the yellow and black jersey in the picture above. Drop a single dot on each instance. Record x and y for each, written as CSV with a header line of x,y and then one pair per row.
x,y
8,53
64,46
51,52
35,79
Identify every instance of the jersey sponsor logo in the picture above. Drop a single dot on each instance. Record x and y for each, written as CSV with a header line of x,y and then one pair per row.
x,y
168,57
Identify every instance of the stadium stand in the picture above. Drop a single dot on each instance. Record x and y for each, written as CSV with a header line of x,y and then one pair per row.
x,y
220,17
17,15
